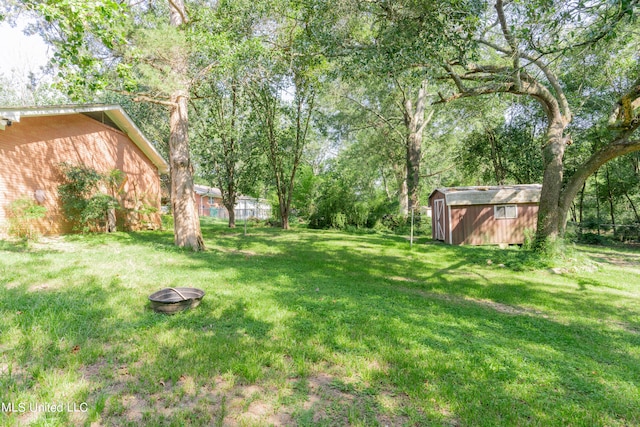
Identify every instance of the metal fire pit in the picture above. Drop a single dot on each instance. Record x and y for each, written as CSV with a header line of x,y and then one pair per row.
x,y
173,300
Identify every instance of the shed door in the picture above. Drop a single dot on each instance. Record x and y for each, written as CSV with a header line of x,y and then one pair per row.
x,y
438,208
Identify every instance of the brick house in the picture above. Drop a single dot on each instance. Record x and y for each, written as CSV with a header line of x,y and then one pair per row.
x,y
208,200
35,141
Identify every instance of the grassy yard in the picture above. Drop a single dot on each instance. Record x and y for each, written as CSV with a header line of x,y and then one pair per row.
x,y
316,328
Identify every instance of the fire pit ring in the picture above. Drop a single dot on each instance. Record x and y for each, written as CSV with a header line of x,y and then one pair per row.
x,y
173,300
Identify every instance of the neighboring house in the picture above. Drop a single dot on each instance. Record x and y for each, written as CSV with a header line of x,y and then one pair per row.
x,y
484,215
208,200
209,203
34,142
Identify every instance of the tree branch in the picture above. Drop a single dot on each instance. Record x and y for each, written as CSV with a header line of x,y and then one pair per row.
x,y
511,41
624,114
380,116
439,172
180,11
427,120
551,78
143,97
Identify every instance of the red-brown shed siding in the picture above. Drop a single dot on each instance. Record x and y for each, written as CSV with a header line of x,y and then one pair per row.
x,y
31,151
477,225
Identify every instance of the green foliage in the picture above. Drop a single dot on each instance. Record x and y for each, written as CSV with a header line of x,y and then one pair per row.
x,y
24,214
82,202
339,206
508,153
167,222
95,210
334,205
305,191
79,29
591,239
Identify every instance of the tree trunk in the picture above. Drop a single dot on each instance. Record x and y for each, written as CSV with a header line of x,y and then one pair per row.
x,y
111,220
584,185
610,151
581,207
633,207
185,215
232,214
415,122
610,199
403,198
549,216
284,216
597,202
495,158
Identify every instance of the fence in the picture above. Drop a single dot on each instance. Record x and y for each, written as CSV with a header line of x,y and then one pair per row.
x,y
241,213
623,232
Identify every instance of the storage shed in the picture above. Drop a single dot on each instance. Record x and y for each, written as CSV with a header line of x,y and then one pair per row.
x,y
484,215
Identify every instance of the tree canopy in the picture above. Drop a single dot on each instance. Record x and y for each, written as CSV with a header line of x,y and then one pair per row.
x,y
411,94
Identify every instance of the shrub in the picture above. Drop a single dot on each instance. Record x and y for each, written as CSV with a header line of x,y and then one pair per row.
x,y
167,222
338,221
96,208
83,204
592,239
24,213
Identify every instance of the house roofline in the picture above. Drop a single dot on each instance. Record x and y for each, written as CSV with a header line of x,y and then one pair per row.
x,y
115,113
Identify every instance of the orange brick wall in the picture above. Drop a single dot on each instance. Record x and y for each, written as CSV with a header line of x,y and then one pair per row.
x,y
32,150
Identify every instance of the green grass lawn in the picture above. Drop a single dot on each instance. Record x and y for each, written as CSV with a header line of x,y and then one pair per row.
x,y
316,328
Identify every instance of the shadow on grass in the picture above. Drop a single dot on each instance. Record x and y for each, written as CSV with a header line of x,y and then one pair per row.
x,y
474,357
380,322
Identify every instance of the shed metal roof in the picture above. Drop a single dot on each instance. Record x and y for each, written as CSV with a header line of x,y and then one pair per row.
x,y
110,114
490,195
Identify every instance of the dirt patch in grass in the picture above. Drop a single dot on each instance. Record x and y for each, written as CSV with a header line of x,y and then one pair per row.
x,y
320,398
47,286
402,279
328,401
221,402
496,306
626,261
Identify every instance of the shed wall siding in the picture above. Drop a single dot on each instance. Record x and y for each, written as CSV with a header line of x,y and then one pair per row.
x,y
32,149
476,225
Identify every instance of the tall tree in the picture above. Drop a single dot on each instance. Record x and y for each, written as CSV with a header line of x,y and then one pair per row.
x,y
525,52
395,41
183,202
397,109
284,96
155,52
227,151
